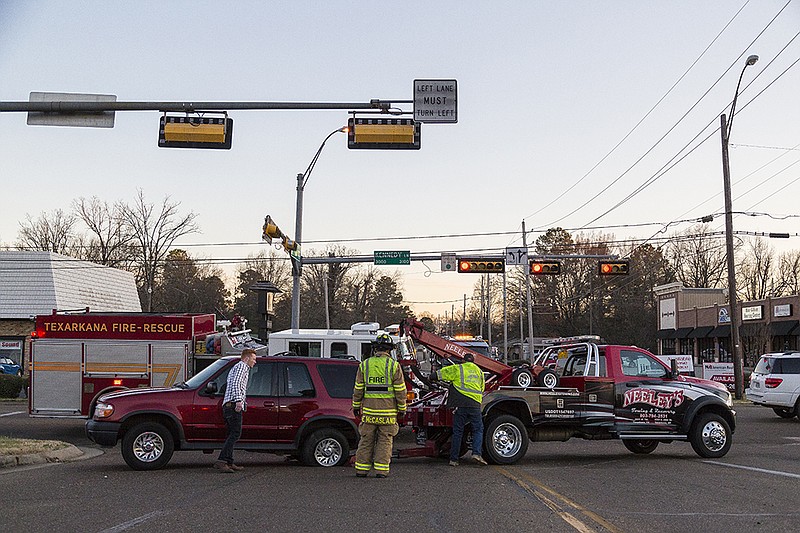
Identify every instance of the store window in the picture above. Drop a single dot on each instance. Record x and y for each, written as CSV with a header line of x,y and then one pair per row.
x,y
11,348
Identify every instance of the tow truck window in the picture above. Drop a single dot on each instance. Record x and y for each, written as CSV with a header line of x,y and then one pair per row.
x,y
638,364
298,382
306,349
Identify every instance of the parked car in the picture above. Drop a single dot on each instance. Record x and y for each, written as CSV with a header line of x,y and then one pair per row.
x,y
298,406
775,383
8,366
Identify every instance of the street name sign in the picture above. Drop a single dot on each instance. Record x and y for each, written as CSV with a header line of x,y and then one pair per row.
x,y
392,257
449,262
435,101
104,119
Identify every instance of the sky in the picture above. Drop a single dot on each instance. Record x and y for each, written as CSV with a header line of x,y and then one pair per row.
x,y
564,110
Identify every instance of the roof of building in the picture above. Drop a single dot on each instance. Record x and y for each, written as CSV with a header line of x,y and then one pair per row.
x,y
35,283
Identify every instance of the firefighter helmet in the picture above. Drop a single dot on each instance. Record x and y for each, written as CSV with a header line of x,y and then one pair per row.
x,y
383,342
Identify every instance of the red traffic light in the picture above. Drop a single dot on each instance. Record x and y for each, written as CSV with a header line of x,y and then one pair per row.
x,y
612,268
480,265
545,267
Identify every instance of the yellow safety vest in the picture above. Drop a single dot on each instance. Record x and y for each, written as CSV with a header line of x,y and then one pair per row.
x,y
467,378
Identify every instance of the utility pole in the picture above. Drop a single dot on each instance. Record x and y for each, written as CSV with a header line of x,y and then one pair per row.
x,y
528,294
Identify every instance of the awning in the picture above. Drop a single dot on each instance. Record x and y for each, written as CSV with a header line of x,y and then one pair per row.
x,y
700,333
721,331
682,333
778,329
665,334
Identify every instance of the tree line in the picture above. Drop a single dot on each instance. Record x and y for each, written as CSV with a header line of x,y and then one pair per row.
x,y
139,236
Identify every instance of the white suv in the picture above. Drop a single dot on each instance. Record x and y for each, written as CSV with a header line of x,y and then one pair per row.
x,y
775,383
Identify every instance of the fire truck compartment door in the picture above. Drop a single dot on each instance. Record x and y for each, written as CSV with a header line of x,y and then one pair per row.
x,y
56,378
120,358
169,363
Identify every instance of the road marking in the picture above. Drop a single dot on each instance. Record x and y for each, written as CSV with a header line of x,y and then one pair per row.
x,y
569,518
134,522
11,414
754,469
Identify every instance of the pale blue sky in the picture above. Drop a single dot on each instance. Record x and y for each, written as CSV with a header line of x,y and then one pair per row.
x,y
546,89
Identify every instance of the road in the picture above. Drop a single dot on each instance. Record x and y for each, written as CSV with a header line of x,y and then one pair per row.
x,y
562,487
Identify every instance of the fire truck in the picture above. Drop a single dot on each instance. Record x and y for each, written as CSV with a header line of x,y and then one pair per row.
x,y
590,391
75,358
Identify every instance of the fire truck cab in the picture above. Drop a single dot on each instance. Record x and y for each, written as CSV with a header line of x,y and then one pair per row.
x,y
75,358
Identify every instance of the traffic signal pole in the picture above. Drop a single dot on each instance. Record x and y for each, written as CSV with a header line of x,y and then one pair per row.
x,y
528,295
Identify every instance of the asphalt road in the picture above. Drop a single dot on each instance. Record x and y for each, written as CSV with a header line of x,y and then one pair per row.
x,y
571,486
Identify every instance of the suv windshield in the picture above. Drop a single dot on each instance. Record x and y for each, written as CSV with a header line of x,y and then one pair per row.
x,y
200,378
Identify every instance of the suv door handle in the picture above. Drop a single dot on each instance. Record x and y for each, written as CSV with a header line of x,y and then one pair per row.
x,y
269,404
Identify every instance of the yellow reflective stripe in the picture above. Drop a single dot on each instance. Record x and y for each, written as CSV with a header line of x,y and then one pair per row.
x,y
380,467
362,466
371,411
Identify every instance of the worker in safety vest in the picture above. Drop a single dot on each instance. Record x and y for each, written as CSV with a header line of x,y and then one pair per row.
x,y
464,396
379,398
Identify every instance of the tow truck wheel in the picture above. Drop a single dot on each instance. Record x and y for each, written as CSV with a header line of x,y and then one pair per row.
x,y
640,446
710,436
506,440
522,378
148,446
547,378
784,412
326,447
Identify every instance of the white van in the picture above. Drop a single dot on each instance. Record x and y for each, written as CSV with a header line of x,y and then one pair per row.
x,y
354,343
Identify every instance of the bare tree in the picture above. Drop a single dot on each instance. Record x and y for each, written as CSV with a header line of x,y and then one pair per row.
x,y
50,232
788,275
154,230
697,258
755,272
111,238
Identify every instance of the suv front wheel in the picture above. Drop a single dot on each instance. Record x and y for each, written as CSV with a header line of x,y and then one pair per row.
x,y
326,447
147,446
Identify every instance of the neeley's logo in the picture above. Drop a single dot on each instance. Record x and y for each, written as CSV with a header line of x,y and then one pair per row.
x,y
663,400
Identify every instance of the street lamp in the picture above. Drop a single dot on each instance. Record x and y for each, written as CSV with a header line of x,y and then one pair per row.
x,y
735,318
297,262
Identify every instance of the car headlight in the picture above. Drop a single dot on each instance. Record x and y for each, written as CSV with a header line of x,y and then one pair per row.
x,y
729,399
103,410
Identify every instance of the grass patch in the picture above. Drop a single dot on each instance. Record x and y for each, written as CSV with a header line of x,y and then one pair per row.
x,y
9,446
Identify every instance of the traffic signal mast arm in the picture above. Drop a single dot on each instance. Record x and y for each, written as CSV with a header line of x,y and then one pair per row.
x,y
500,373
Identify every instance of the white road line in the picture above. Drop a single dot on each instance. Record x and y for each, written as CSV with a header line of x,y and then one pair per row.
x,y
754,469
14,413
133,523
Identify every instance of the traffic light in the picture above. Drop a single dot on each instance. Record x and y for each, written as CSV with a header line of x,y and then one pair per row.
x,y
480,265
612,268
271,230
545,267
383,133
195,132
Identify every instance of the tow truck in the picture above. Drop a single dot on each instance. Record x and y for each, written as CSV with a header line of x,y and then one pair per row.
x,y
598,392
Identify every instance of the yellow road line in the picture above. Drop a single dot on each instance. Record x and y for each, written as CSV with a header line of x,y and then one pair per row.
x,y
566,516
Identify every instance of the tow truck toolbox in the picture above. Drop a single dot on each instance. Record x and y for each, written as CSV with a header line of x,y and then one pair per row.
x,y
593,392
77,357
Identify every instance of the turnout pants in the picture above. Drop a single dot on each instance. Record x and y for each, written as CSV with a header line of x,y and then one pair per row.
x,y
375,447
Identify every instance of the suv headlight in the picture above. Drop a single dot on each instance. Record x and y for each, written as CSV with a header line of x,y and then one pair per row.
x,y
103,410
729,399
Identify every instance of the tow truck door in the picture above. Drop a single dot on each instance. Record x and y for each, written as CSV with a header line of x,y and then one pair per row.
x,y
585,370
646,400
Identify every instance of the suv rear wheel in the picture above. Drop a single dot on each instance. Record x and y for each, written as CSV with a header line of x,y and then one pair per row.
x,y
784,412
147,446
326,447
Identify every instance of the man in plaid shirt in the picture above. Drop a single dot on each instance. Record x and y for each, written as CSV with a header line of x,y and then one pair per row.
x,y
233,405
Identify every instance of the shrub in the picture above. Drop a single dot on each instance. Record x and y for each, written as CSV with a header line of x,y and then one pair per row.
x,y
10,386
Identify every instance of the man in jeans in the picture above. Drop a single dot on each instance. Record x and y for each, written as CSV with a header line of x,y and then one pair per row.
x,y
464,396
233,405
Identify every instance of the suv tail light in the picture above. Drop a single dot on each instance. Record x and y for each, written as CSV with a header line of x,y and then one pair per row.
x,y
771,383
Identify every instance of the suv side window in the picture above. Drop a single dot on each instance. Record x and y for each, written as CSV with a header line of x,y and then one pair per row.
x,y
790,365
222,381
298,381
260,382
638,364
339,380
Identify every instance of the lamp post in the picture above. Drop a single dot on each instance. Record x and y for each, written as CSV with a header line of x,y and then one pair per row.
x,y
297,262
735,318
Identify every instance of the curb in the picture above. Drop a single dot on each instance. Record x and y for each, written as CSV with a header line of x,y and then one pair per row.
x,y
62,455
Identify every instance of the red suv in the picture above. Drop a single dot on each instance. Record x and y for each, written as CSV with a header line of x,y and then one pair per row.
x,y
297,406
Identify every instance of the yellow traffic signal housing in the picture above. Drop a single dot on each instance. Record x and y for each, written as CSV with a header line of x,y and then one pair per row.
x,y
539,268
383,134
271,231
195,132
480,265
612,268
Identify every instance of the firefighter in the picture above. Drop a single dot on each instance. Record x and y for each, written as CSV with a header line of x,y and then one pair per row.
x,y
464,396
379,397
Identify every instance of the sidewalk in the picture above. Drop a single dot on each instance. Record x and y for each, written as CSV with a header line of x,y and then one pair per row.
x,y
61,455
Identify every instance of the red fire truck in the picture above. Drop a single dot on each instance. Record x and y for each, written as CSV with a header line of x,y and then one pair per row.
x,y
77,357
